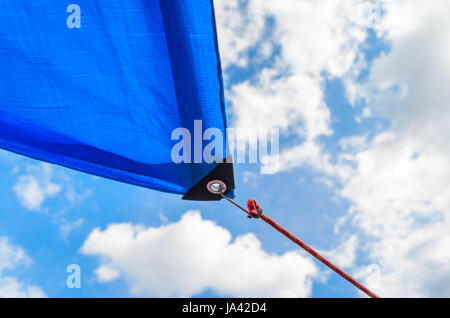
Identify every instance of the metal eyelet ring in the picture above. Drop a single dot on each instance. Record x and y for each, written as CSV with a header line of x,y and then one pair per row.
x,y
216,186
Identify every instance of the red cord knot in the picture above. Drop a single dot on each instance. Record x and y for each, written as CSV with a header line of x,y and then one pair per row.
x,y
254,210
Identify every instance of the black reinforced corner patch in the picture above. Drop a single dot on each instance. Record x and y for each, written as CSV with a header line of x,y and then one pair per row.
x,y
199,192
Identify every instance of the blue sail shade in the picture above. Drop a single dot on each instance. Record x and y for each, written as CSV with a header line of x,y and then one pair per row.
x,y
102,94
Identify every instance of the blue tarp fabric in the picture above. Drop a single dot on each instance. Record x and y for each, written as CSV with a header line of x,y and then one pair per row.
x,y
103,93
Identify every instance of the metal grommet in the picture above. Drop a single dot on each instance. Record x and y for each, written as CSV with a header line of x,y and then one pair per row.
x,y
216,186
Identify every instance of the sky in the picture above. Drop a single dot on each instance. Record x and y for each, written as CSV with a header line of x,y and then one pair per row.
x,y
359,91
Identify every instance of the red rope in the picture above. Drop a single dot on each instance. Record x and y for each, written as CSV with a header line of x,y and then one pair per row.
x,y
255,211
314,253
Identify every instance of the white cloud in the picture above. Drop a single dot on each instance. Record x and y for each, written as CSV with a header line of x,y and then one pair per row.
x,y
33,188
10,258
106,273
400,188
311,154
344,254
307,42
66,227
398,181
240,28
192,255
37,183
10,287
47,188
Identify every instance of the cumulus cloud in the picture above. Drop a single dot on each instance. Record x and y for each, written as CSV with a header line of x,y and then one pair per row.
x,y
106,273
66,227
396,179
344,254
33,188
12,257
37,183
39,186
10,287
241,27
400,187
192,255
302,44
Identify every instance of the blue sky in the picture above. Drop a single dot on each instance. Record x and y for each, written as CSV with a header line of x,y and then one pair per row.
x,y
351,182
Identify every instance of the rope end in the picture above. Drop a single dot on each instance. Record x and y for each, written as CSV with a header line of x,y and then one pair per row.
x,y
254,210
